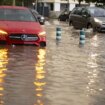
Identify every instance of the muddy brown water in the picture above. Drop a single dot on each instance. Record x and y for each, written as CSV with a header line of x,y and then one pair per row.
x,y
63,73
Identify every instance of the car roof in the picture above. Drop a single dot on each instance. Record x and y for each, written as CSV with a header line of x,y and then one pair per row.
x,y
90,7
13,7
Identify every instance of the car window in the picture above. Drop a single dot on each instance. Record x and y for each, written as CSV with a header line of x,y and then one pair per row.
x,y
85,12
97,12
77,11
73,11
16,15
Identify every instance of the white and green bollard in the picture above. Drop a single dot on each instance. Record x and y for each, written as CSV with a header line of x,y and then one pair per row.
x,y
58,33
82,37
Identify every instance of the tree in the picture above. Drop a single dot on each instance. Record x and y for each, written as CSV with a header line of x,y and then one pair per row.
x,y
93,1
16,2
5,2
96,1
80,2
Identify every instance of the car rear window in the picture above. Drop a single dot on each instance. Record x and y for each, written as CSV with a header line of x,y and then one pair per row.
x,y
16,15
97,12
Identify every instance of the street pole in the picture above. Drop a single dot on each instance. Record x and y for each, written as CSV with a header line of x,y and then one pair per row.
x,y
22,2
68,5
13,2
36,5
43,8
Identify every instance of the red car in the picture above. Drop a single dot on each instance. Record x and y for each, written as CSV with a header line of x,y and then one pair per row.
x,y
19,26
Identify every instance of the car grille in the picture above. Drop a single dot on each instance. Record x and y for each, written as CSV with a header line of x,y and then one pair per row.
x,y
23,37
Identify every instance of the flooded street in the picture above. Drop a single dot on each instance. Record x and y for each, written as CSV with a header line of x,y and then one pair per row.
x,y
63,73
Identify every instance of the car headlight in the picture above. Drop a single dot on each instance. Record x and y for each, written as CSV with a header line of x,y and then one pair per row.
x,y
2,32
97,20
43,33
42,18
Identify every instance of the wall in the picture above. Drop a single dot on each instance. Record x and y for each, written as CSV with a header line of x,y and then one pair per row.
x,y
56,6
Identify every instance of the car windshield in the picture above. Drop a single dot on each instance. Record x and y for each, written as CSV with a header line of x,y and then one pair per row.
x,y
97,12
16,15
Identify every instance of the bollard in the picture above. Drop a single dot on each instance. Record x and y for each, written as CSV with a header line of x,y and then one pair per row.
x,y
82,37
58,33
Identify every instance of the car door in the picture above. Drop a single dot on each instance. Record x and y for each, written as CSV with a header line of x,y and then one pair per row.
x,y
84,18
75,17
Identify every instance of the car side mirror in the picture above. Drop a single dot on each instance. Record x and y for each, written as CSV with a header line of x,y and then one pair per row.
x,y
41,20
84,15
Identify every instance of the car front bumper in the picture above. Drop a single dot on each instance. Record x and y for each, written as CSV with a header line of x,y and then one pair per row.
x,y
100,27
22,39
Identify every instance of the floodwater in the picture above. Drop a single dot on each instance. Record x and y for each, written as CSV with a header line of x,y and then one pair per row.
x,y
63,73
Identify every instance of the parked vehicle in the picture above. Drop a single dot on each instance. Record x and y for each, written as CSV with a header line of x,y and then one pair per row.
x,y
64,16
19,26
40,18
88,17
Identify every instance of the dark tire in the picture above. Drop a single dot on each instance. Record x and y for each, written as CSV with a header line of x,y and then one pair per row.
x,y
42,23
42,44
60,18
89,26
70,23
3,42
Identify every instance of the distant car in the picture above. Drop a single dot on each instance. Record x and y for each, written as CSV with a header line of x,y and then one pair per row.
x,y
40,18
19,26
64,16
88,17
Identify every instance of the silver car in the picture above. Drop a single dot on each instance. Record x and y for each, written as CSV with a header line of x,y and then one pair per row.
x,y
88,17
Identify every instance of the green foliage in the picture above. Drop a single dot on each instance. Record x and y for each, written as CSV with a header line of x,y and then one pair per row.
x,y
17,2
96,1
5,2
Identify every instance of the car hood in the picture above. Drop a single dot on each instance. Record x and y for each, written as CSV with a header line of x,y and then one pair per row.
x,y
101,18
20,27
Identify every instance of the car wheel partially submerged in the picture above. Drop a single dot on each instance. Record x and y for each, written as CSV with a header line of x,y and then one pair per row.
x,y
70,23
42,44
89,26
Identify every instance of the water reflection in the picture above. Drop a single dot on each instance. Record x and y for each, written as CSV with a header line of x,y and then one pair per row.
x,y
40,76
93,72
3,63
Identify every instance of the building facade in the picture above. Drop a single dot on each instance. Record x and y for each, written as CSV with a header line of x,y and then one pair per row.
x,y
57,6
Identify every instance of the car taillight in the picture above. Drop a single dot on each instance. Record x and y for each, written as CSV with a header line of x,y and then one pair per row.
x,y
2,32
43,33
